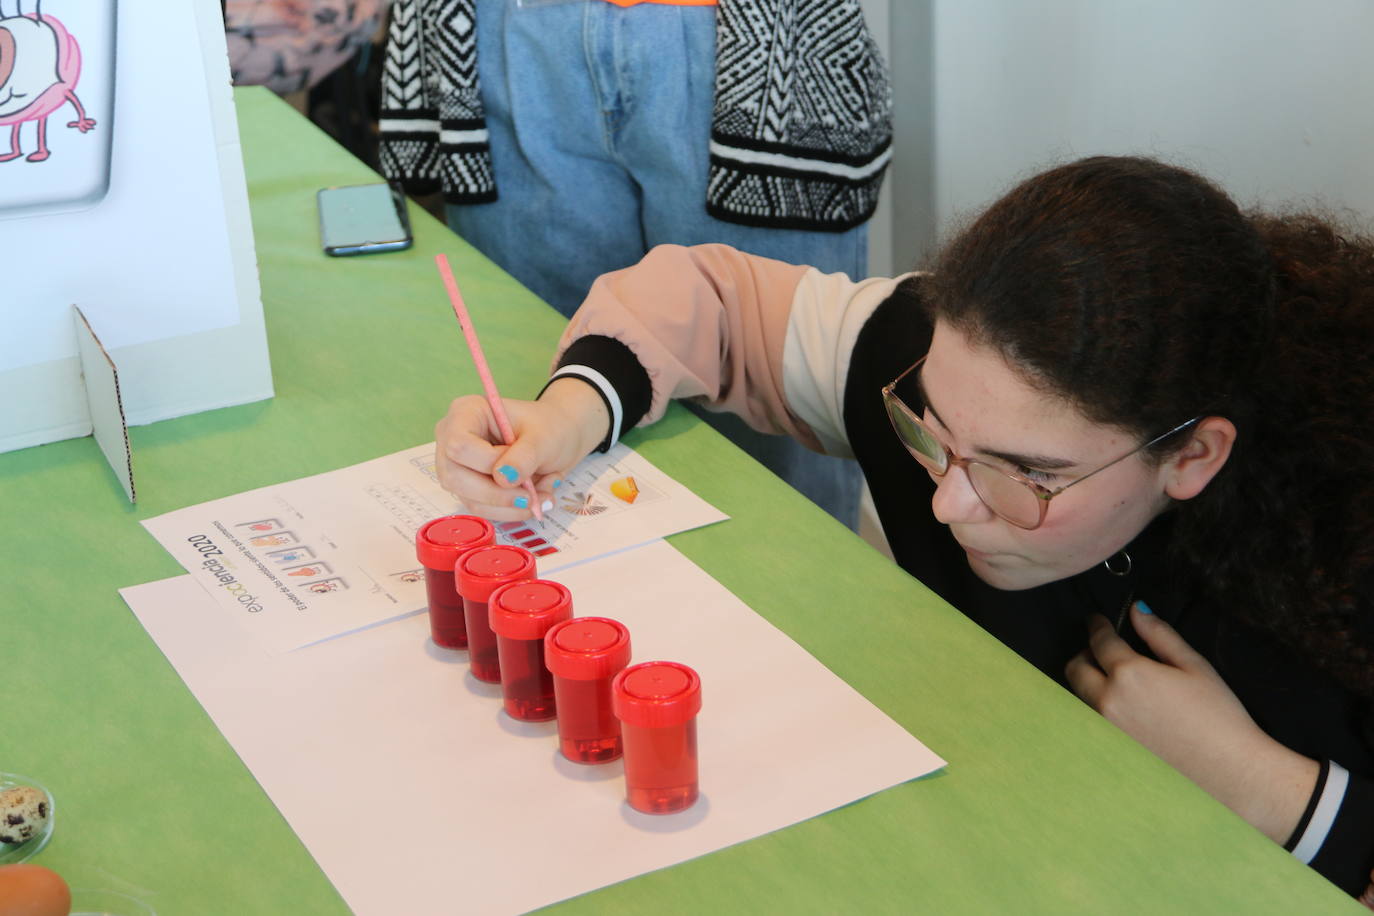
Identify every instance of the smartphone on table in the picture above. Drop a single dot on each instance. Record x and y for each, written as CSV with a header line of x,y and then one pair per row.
x,y
363,219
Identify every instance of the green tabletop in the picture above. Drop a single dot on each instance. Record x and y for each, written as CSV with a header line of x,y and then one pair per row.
x,y
1044,807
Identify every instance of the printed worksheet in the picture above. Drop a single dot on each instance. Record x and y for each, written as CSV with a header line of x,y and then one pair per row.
x,y
314,558
781,739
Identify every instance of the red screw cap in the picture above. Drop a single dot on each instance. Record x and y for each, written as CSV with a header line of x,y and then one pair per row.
x,y
526,610
587,648
441,541
656,694
485,569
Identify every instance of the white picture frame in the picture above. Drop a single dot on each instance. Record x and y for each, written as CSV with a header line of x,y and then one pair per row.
x,y
141,220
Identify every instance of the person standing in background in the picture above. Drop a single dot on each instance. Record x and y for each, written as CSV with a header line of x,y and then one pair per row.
x,y
290,46
569,138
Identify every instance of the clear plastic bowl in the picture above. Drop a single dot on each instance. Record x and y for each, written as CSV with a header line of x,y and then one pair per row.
x,y
97,902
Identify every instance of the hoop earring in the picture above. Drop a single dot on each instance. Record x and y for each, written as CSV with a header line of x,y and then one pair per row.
x,y
1119,569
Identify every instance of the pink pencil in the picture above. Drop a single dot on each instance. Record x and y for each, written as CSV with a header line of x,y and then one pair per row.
x,y
483,370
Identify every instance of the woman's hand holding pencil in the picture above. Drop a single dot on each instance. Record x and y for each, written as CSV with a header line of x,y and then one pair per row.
x,y
551,436
481,454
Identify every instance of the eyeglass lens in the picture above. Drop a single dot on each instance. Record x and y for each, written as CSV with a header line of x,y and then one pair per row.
x,y
922,444
1005,496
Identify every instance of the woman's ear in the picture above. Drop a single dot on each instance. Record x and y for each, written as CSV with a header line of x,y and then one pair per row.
x,y
1188,471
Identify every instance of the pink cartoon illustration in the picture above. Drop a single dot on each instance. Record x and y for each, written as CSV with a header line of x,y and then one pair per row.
x,y
40,64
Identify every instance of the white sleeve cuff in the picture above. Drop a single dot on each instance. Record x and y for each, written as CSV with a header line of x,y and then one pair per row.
x,y
1323,814
607,390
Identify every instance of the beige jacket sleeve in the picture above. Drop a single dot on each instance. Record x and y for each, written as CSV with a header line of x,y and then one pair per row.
x,y
766,340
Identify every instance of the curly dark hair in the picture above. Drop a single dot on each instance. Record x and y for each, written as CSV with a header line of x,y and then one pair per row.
x,y
1139,292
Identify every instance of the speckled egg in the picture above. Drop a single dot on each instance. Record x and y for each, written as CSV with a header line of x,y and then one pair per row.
x,y
23,813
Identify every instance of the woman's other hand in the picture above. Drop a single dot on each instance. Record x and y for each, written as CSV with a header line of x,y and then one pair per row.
x,y
1181,709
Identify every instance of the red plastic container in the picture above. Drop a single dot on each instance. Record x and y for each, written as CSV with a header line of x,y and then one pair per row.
x,y
521,613
657,705
438,545
480,572
584,655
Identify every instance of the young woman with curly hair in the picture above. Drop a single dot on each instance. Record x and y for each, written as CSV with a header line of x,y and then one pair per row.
x,y
1127,401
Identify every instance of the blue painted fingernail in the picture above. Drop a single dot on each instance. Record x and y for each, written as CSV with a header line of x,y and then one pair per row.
x,y
509,473
522,502
557,482
1143,607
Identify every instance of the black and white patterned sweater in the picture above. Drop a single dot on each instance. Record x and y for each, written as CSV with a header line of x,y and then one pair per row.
x,y
800,138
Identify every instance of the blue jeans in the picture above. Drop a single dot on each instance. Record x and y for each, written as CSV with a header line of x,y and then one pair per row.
x,y
599,118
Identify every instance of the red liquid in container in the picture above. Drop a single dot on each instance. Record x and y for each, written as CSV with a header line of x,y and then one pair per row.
x,y
584,655
438,545
521,613
479,573
657,704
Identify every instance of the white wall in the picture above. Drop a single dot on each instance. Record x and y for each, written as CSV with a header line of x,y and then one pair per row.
x,y
878,16
1273,99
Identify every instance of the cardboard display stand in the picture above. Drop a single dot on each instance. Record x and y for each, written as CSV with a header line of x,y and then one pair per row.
x,y
122,194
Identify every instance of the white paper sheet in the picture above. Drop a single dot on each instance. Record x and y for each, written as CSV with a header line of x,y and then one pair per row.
x,y
417,794
305,560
